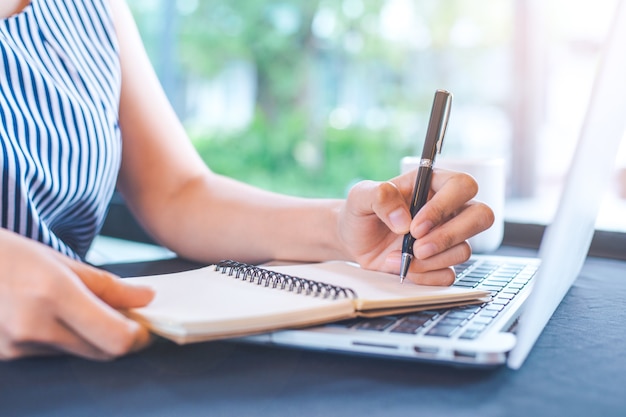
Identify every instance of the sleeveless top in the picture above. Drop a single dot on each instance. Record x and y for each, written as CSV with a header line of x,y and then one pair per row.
x,y
60,144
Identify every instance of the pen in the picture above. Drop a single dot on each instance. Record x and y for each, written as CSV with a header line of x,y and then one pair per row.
x,y
435,133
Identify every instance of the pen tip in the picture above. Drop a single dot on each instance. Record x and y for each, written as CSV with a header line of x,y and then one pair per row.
x,y
404,268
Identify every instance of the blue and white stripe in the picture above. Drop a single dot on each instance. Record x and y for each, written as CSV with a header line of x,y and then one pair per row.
x,y
60,147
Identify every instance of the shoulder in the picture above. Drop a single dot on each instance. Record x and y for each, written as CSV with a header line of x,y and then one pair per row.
x,y
123,20
118,9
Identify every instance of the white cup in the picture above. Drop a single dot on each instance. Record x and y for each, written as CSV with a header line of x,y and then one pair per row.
x,y
490,175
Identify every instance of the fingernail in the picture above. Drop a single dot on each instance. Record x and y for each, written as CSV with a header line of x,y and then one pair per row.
x,y
425,251
400,220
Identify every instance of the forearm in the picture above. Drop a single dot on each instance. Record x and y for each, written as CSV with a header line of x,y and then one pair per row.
x,y
183,205
214,217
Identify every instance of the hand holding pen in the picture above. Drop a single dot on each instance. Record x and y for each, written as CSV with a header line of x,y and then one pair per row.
x,y
432,146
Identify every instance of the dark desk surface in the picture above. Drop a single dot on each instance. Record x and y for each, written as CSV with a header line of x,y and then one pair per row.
x,y
577,368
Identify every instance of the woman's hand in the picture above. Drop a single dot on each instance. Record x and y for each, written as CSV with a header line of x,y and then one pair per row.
x,y
51,304
376,216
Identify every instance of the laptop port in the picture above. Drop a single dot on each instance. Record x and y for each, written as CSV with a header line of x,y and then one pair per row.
x,y
426,350
464,354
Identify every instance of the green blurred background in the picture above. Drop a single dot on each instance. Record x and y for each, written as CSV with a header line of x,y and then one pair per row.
x,y
309,96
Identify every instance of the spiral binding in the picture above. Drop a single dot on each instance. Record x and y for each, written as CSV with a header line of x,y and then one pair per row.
x,y
273,279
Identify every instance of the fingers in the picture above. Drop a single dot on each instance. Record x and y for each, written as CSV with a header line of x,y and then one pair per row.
x,y
439,277
85,312
110,288
56,304
434,270
60,340
473,218
451,216
52,339
441,227
452,191
386,201
59,316
112,332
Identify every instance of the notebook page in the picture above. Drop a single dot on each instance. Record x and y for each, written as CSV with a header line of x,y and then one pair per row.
x,y
204,304
377,290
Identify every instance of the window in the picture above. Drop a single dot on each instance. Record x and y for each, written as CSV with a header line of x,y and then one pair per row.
x,y
559,44
309,96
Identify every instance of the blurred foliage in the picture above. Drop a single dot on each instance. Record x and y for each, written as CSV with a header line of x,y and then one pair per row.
x,y
303,53
268,158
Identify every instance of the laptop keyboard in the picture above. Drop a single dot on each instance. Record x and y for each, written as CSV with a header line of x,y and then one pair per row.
x,y
502,280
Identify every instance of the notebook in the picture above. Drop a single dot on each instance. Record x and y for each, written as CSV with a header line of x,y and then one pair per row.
x,y
525,291
233,299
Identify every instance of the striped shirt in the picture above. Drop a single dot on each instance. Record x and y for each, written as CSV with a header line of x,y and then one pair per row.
x,y
60,144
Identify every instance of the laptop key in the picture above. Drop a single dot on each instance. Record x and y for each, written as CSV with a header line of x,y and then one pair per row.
x,y
442,330
460,314
505,296
482,320
415,322
490,314
490,287
494,307
378,323
345,323
463,283
470,334
451,321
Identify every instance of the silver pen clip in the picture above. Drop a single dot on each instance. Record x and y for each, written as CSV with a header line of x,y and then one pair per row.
x,y
444,123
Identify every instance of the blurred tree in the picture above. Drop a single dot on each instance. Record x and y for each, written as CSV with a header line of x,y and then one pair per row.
x,y
342,88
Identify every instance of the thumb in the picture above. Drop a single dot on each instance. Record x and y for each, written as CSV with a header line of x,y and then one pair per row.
x,y
110,288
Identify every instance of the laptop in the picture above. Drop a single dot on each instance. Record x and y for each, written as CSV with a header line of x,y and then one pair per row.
x,y
525,291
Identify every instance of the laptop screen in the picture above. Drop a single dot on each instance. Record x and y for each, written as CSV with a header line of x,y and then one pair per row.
x,y
567,239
